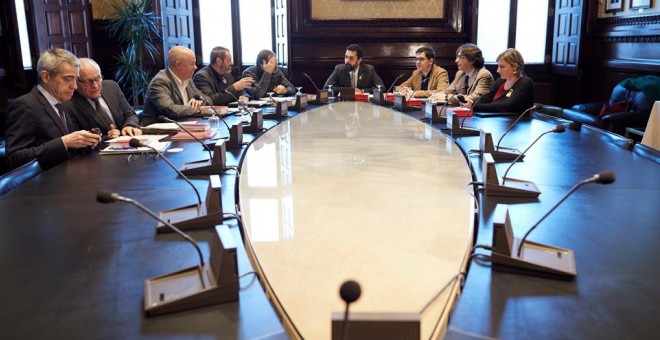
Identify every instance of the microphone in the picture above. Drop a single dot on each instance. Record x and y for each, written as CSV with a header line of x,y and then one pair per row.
x,y
535,107
311,81
472,107
394,82
604,177
105,196
167,120
349,291
134,142
556,129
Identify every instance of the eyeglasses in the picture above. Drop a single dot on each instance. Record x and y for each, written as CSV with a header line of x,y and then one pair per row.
x,y
421,59
89,82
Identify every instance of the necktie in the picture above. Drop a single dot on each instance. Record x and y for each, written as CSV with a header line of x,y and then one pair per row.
x,y
102,113
353,79
467,84
60,112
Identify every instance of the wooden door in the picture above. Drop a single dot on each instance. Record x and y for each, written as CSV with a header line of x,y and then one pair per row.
x,y
178,29
64,24
566,36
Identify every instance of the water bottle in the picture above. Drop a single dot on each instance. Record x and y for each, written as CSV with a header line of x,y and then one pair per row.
x,y
214,122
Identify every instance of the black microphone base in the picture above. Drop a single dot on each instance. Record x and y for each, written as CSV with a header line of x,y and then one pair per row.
x,y
513,188
461,132
384,325
535,258
214,283
190,217
201,168
538,259
432,112
504,156
256,122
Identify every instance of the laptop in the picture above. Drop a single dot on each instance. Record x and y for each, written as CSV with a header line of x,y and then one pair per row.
x,y
495,114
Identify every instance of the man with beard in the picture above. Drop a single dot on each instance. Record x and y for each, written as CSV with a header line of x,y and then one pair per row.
x,y
353,73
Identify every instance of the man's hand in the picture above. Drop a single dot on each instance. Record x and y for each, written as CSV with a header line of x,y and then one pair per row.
x,y
243,83
130,131
195,104
81,139
279,89
269,66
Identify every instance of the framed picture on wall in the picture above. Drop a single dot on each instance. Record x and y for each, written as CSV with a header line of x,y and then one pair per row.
x,y
639,4
612,6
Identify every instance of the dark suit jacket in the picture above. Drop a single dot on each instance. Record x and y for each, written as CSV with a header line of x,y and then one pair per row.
x,y
34,130
163,99
367,77
85,114
520,99
219,87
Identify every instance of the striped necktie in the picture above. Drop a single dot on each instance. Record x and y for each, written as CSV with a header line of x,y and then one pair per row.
x,y
60,112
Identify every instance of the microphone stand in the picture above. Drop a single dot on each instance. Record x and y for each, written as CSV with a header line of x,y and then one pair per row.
x,y
105,196
535,107
537,259
236,131
174,292
557,129
431,112
216,163
195,216
472,108
321,95
605,177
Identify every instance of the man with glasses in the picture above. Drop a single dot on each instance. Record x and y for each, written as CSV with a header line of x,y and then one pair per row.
x,y
172,93
99,103
353,73
216,81
472,79
38,125
428,78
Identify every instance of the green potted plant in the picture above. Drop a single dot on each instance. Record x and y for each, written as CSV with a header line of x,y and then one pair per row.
x,y
138,30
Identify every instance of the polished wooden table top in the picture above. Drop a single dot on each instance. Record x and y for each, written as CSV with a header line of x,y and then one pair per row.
x,y
355,191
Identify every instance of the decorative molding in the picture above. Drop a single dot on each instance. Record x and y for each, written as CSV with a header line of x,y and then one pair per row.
x,y
625,39
444,39
629,20
452,21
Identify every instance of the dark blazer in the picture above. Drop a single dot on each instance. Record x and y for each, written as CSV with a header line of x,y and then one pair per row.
x,y
219,87
34,130
367,77
163,99
85,114
521,98
266,82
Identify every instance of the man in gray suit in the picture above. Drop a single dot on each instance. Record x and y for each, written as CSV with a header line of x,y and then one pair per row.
x,y
100,104
171,93
38,126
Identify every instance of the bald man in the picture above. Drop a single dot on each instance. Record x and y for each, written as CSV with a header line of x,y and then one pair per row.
x,y
171,93
99,103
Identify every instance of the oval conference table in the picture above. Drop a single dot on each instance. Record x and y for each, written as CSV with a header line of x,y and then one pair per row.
x,y
76,269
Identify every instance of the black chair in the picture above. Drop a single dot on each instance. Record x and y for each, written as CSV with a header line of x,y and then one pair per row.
x,y
607,136
627,107
555,120
549,109
647,152
18,176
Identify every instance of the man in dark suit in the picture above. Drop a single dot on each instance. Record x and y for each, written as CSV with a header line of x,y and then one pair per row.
x,y
38,126
353,73
216,81
99,103
171,93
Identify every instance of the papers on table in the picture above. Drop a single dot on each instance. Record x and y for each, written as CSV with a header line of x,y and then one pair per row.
x,y
120,145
